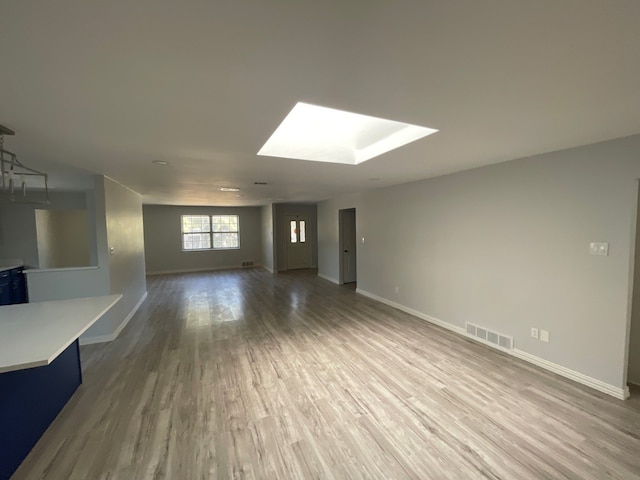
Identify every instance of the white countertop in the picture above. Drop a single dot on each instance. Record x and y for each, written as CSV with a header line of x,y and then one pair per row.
x,y
61,269
34,334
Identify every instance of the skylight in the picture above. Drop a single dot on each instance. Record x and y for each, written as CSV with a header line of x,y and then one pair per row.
x,y
322,134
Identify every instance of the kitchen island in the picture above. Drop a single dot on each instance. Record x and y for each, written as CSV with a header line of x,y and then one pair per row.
x,y
39,368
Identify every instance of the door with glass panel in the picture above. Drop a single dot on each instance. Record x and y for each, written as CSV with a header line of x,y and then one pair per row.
x,y
298,242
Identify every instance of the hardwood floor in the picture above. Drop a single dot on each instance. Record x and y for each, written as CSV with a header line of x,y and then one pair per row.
x,y
244,374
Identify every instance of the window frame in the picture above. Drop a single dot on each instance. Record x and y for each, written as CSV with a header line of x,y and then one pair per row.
x,y
211,232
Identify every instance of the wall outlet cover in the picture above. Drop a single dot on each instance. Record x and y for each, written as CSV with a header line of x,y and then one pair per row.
x,y
544,335
534,332
598,248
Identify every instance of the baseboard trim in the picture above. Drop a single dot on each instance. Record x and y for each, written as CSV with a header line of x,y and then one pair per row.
x,y
328,279
199,270
112,336
270,270
411,311
617,392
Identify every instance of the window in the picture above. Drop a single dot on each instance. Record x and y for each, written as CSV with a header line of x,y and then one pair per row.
x,y
303,233
207,232
297,231
225,231
196,232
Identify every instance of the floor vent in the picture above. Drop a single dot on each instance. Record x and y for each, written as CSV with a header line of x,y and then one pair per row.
x,y
489,336
248,263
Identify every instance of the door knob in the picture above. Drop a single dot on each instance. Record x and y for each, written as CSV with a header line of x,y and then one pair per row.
x,y
346,251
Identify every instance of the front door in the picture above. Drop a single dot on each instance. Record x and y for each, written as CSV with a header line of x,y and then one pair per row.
x,y
298,242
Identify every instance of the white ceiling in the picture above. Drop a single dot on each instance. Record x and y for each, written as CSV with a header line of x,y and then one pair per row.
x,y
108,87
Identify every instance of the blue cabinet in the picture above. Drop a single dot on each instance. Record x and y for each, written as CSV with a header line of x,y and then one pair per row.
x,y
13,288
18,286
5,287
31,399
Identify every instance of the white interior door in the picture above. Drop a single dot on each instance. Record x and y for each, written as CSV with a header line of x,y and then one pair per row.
x,y
298,242
348,226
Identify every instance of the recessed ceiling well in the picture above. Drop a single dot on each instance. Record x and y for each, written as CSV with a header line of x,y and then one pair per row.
x,y
322,134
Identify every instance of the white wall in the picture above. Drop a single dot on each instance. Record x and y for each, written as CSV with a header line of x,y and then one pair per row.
x,y
506,247
281,230
268,260
163,239
634,342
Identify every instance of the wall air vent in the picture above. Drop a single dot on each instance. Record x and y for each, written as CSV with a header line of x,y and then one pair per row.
x,y
488,337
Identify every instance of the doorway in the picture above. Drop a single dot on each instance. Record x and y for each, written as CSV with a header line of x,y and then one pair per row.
x,y
299,248
347,241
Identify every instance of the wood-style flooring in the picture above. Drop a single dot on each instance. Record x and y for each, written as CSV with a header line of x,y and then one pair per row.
x,y
244,374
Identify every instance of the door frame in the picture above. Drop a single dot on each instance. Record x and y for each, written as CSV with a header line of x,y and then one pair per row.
x,y
287,218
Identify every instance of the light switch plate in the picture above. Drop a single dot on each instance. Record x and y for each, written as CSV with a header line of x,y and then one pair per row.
x,y
534,332
598,248
544,335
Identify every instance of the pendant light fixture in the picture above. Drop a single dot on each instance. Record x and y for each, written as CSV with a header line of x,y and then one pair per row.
x,y
16,178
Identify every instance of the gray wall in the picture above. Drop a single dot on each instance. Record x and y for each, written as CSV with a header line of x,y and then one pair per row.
x,y
328,235
163,242
63,238
634,342
123,212
506,247
281,230
72,283
18,237
268,259
115,217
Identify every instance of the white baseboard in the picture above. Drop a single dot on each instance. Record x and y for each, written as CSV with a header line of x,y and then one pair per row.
x,y
198,270
329,279
415,313
112,336
620,393
617,392
270,270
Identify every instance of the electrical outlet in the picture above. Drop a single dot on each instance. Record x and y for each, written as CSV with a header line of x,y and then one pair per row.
x,y
544,335
397,289
598,248
534,332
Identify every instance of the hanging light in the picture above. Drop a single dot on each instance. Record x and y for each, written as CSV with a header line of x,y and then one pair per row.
x,y
11,170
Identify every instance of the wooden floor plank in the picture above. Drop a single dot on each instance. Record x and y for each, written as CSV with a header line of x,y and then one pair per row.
x,y
244,374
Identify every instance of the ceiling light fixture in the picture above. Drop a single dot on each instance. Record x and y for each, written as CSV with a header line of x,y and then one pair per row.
x,y
229,189
322,134
160,162
13,171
